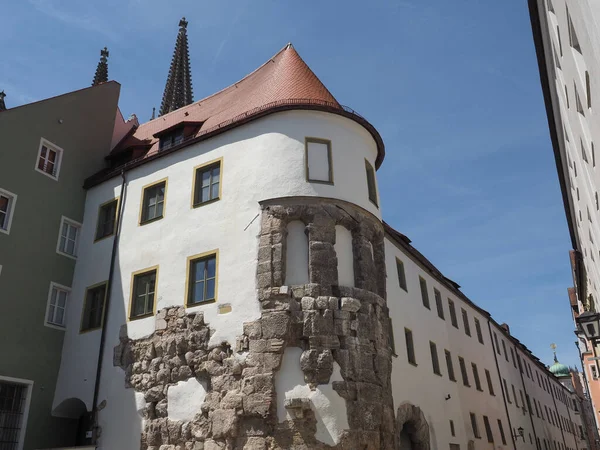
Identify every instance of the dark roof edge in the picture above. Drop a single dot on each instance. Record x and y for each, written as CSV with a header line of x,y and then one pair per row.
x,y
284,105
8,110
404,242
536,27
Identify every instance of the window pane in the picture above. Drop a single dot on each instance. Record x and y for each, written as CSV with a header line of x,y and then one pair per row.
x,y
160,195
205,194
210,289
198,292
65,230
159,209
70,247
62,298
60,314
51,156
151,212
49,167
216,173
3,203
198,270
72,232
211,267
150,305
43,152
215,191
206,178
53,296
63,244
50,314
138,307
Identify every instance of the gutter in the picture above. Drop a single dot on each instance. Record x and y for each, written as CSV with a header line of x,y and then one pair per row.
x,y
95,427
510,428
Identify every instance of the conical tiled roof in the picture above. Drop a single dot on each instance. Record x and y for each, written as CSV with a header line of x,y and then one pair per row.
x,y
284,82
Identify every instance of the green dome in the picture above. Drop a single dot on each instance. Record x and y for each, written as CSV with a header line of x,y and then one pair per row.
x,y
559,370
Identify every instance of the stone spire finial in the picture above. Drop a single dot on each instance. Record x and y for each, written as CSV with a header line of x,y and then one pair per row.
x,y
178,90
101,75
2,104
153,113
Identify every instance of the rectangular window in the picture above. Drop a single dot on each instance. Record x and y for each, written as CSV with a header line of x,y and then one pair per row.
x,y
465,319
49,159
496,341
452,314
93,308
476,377
318,161
501,428
478,330
537,411
371,184
207,183
506,391
438,303
488,377
504,349
202,279
171,139
153,202
512,356
463,371
107,219
7,208
515,395
401,274
488,429
410,349
424,293
449,365
68,237
522,400
452,430
435,363
143,293
57,305
13,413
474,426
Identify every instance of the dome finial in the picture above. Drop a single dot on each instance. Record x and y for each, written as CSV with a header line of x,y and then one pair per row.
x,y
553,347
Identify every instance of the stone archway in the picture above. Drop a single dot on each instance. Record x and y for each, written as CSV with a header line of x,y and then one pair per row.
x,y
412,429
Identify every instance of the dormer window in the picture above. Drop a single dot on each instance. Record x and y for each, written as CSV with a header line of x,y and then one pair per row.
x,y
171,139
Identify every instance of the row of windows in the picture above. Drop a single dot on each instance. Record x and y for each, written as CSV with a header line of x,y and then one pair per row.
x,y
201,287
435,364
438,303
487,426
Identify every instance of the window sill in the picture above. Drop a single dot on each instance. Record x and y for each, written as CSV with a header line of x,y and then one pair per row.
x,y
2,230
480,390
104,237
143,316
330,183
56,327
145,222
88,330
194,305
413,363
452,379
438,374
208,202
55,178
73,257
375,203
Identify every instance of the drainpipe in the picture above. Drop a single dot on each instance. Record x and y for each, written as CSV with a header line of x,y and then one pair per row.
x,y
510,428
105,313
527,404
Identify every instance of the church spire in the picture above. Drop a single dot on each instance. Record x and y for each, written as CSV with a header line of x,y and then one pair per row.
x,y
2,104
102,69
178,90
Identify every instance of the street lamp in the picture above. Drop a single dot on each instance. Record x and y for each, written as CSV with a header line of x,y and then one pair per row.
x,y
589,323
520,433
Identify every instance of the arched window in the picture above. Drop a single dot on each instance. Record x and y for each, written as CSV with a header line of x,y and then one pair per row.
x,y
345,256
296,255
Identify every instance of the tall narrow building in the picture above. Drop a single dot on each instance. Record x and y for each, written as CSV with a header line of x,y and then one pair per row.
x,y
566,40
178,90
101,75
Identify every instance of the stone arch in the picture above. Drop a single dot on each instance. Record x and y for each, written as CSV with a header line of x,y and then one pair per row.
x,y
411,424
71,408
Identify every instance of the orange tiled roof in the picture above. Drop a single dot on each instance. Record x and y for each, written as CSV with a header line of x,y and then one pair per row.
x,y
283,82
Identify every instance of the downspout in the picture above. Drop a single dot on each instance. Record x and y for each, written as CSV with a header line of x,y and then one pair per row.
x,y
105,313
560,424
510,428
528,403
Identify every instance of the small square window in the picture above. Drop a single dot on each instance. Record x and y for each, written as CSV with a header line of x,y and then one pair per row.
x,y
202,287
7,210
371,183
319,165
93,308
143,294
107,219
207,184
68,238
401,274
153,202
49,159
57,305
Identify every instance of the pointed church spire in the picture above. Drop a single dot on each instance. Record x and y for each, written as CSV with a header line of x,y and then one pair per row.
x,y
102,69
2,105
178,90
153,113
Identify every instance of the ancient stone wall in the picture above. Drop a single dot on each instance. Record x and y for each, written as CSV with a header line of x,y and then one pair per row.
x,y
348,325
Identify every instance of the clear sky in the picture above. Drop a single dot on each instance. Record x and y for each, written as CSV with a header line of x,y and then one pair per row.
x,y
452,86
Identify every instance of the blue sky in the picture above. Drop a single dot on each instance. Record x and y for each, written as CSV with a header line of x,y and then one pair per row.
x,y
453,88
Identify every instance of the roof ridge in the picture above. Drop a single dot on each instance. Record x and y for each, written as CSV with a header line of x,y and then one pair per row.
x,y
286,47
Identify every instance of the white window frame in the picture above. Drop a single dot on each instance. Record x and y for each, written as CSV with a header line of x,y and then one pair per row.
x,y
58,287
59,156
29,385
12,201
72,223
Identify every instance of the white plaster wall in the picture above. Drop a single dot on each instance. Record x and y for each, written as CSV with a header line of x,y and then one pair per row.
x,y
345,257
329,408
261,160
296,256
185,399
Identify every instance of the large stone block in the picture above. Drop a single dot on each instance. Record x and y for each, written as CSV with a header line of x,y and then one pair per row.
x,y
224,423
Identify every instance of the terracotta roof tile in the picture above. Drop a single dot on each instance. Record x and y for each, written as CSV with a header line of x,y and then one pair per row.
x,y
283,82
